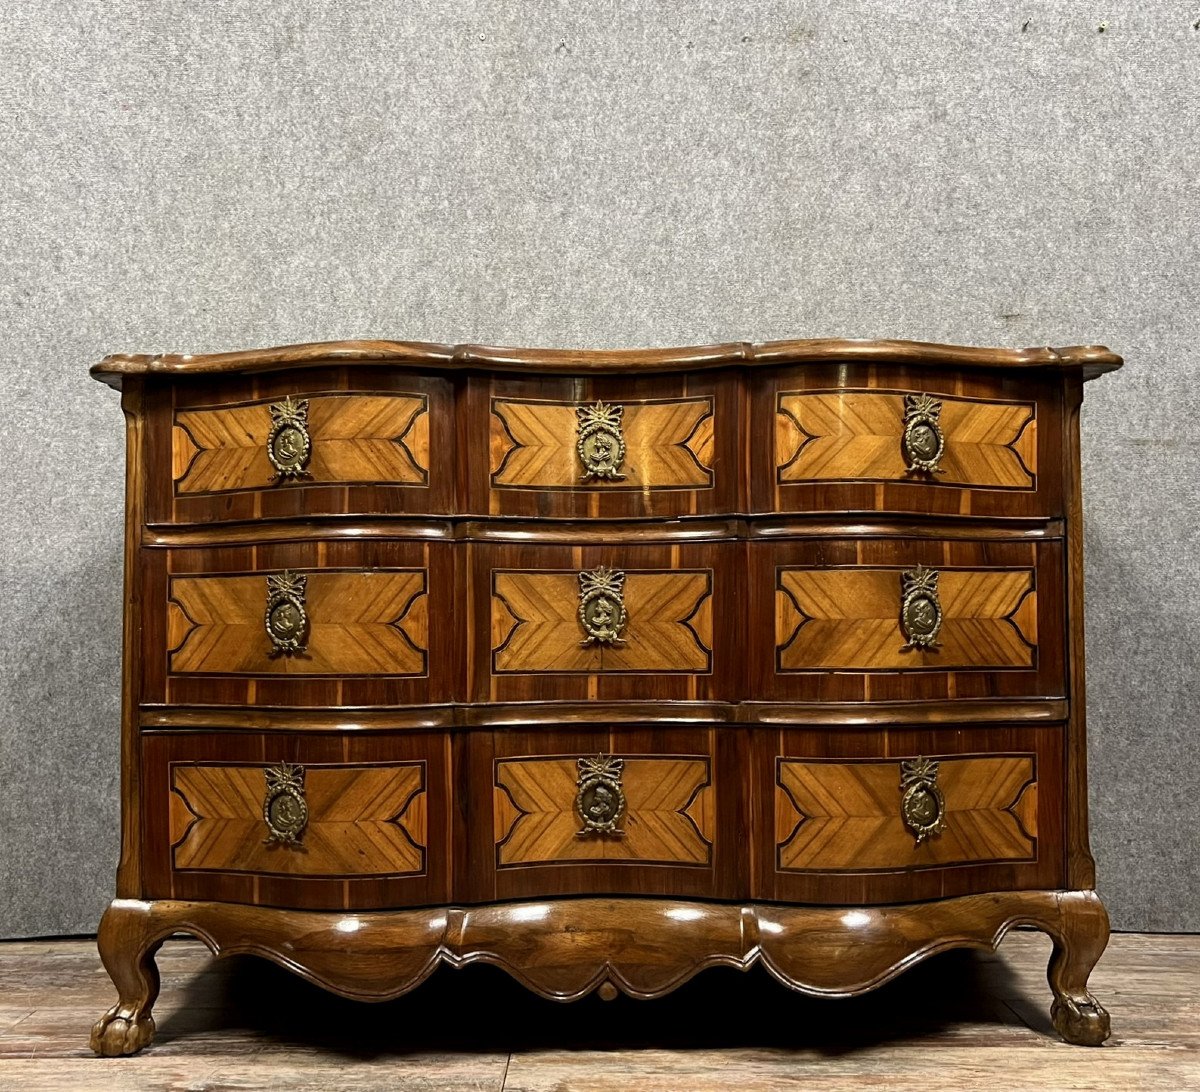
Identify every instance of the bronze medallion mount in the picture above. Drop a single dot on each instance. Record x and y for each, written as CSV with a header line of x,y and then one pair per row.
x,y
285,811
923,807
920,608
601,799
602,606
600,442
923,442
288,443
286,620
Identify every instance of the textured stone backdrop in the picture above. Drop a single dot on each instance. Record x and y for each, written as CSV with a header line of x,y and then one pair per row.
x,y
214,175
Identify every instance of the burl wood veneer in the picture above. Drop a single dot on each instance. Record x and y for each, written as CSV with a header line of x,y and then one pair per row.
x,y
603,666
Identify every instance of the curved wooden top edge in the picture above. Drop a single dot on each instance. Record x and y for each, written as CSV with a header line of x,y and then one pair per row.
x,y
1093,359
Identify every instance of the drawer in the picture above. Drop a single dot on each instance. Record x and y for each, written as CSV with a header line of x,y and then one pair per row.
x,y
902,439
311,443
634,811
617,447
307,624
907,814
613,623
307,822
906,620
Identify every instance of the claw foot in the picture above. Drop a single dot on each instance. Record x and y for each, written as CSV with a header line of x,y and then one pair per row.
x,y
121,1031
1082,1021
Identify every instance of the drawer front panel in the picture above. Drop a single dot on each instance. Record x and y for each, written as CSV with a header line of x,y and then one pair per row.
x,y
846,816
895,439
909,814
615,447
847,620
634,811
844,619
361,820
602,622
847,435
288,821
327,442
667,819
359,437
312,624
360,623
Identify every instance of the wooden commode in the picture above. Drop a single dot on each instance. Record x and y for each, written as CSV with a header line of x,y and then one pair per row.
x,y
603,666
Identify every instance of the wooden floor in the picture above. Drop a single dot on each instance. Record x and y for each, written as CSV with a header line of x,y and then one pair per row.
x,y
962,1020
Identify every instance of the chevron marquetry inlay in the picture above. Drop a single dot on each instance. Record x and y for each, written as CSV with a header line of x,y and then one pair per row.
x,y
669,445
855,436
845,816
669,814
355,438
362,821
848,620
360,623
535,624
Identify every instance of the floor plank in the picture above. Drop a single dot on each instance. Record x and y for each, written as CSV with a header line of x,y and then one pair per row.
x,y
957,1021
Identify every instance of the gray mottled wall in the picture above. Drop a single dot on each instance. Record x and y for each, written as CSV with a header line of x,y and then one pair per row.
x,y
213,175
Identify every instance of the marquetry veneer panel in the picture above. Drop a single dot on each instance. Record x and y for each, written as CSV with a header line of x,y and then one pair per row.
x,y
363,821
380,444
681,435
829,439
378,818
355,438
669,445
846,620
380,629
846,435
361,623
825,620
845,816
669,813
678,642
682,830
833,830
535,624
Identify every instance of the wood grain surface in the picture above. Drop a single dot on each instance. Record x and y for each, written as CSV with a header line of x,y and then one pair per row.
x,y
848,619
681,636
205,447
846,816
362,821
536,627
830,611
669,445
668,816
828,439
845,435
378,830
355,438
360,623
831,802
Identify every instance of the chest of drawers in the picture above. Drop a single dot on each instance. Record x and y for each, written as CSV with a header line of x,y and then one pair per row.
x,y
603,667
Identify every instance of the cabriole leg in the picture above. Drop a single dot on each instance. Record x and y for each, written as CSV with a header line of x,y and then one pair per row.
x,y
127,948
1079,942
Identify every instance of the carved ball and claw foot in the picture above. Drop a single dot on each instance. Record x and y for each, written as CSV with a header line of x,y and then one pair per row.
x,y
1080,937
122,1030
130,935
1082,1021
